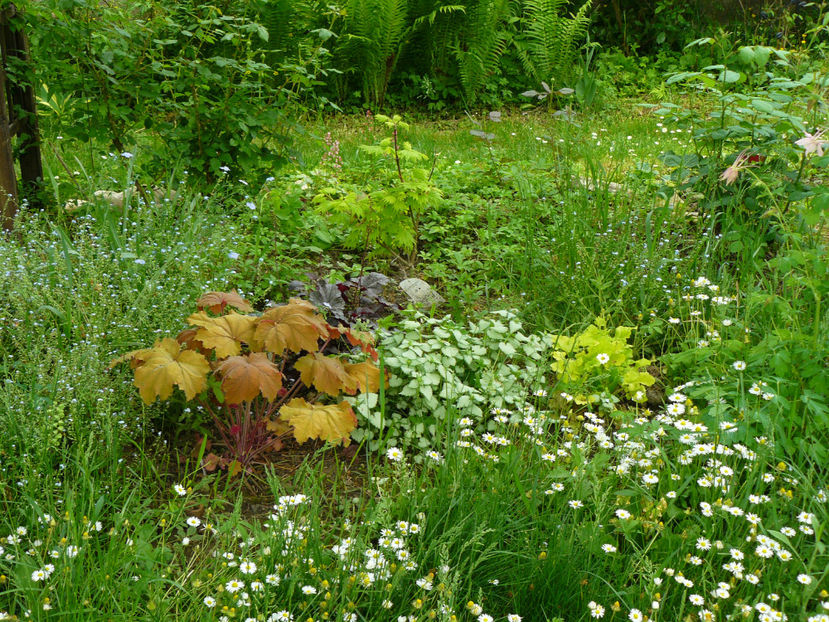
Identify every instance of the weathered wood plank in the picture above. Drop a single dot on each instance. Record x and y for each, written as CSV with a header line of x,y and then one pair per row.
x,y
8,178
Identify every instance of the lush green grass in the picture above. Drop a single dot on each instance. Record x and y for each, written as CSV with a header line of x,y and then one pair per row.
x,y
716,484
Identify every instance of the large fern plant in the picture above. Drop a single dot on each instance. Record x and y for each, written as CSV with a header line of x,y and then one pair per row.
x,y
551,39
481,44
376,32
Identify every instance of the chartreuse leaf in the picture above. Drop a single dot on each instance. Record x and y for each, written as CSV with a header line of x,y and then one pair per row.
x,y
246,377
167,365
331,422
587,363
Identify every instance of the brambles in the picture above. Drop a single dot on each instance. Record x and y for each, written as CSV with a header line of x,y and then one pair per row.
x,y
242,368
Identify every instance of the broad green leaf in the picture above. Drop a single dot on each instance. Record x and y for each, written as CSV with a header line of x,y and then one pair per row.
x,y
729,77
763,105
746,55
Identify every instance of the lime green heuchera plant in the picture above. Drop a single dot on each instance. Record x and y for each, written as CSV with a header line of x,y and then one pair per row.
x,y
598,364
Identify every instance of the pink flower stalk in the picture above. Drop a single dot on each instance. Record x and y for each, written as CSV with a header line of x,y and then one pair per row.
x,y
332,157
729,175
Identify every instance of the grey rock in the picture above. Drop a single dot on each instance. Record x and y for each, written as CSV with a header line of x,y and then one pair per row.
x,y
116,199
421,293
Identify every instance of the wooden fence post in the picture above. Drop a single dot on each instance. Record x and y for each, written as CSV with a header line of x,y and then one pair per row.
x,y
18,117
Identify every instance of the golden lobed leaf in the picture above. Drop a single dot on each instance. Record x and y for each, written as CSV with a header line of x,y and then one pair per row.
x,y
332,422
325,373
245,377
224,334
188,339
295,326
135,357
278,426
167,365
216,302
365,375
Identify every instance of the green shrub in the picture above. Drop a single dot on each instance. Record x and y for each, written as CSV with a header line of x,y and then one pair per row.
x,y
387,215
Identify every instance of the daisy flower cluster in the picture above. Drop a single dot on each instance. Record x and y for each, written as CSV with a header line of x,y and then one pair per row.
x,y
288,572
731,534
733,378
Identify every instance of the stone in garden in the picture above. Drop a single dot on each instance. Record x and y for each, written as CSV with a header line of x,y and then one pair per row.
x,y
421,293
116,199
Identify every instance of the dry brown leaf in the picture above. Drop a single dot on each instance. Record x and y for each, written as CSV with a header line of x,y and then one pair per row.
x,y
245,377
211,462
167,365
217,301
275,445
325,373
332,422
366,376
295,326
234,468
224,334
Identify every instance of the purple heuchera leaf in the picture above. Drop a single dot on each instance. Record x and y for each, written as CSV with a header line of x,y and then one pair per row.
x,y
329,298
372,283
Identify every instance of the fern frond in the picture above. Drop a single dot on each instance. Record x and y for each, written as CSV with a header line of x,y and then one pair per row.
x,y
478,52
551,38
378,26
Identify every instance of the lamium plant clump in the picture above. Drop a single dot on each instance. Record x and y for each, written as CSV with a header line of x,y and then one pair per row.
x,y
253,373
442,371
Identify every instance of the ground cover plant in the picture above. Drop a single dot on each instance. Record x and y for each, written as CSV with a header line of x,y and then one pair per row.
x,y
620,410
